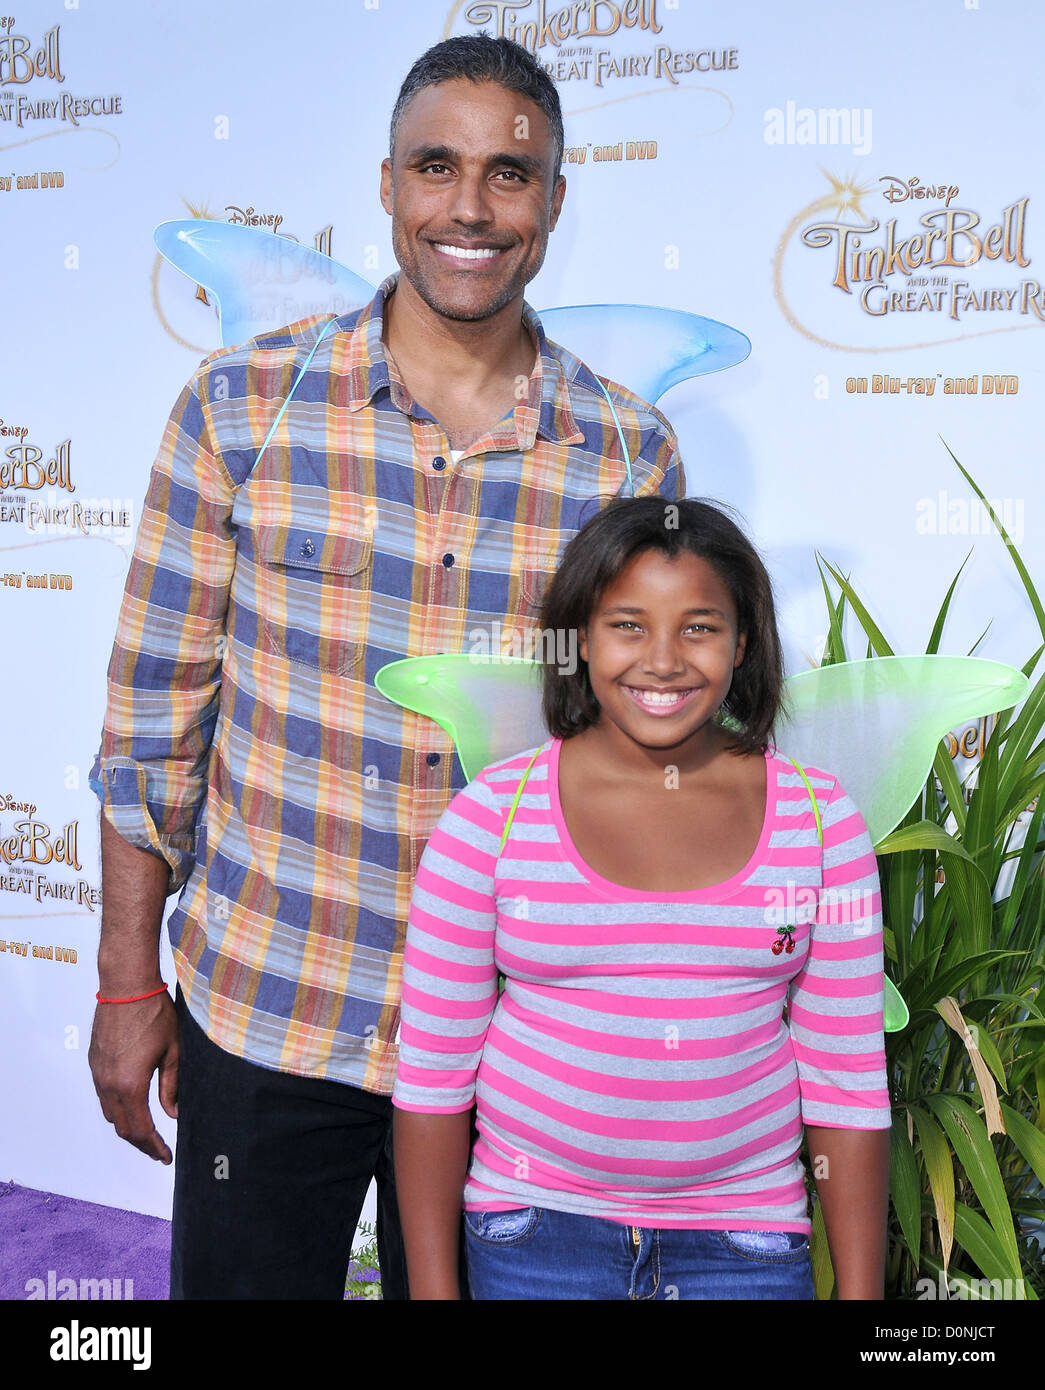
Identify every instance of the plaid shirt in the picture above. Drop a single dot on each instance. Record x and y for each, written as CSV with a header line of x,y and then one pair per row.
x,y
244,740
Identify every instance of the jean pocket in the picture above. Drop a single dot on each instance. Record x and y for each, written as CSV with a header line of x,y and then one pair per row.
x,y
502,1227
766,1247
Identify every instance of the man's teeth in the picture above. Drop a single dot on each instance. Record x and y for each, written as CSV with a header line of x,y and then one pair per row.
x,y
477,253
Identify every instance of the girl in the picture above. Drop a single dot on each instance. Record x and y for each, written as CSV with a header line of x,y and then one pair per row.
x,y
681,994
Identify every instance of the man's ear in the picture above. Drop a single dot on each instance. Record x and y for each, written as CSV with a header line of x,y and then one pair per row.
x,y
386,185
558,193
741,648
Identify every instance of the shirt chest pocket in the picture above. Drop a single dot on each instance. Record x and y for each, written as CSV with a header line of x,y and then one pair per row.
x,y
537,573
539,562
313,595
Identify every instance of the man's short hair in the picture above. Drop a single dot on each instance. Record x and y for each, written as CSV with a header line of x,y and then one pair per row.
x,y
480,58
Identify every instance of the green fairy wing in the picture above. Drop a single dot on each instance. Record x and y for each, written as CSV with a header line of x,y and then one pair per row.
x,y
875,724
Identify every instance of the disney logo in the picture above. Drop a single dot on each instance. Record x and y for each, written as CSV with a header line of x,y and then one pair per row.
x,y
899,192
247,217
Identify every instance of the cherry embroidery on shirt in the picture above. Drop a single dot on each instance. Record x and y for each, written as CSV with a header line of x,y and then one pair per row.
x,y
785,941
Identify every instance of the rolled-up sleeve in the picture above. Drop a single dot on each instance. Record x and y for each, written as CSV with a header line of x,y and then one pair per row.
x,y
164,675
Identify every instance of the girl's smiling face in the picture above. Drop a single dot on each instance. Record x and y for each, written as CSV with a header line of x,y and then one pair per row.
x,y
661,647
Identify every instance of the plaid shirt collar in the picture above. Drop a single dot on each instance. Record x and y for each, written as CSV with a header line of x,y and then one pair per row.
x,y
547,410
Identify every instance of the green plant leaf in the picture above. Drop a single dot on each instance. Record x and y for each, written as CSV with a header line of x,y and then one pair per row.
x,y
1021,568
968,1135
943,766
1029,1141
983,634
922,990
1029,863
1022,1001
1021,737
941,617
967,1289
1024,794
977,1238
905,1187
925,834
964,916
989,1053
870,627
834,647
963,908
820,1256
939,1169
966,887
981,830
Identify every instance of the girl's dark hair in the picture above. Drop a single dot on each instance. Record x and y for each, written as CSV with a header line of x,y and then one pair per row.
x,y
598,553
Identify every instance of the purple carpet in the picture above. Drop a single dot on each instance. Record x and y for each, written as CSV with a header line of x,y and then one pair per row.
x,y
57,1247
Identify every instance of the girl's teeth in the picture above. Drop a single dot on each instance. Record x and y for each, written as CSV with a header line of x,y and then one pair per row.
x,y
651,697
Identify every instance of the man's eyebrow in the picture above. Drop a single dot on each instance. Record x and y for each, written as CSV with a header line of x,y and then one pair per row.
x,y
444,154
526,163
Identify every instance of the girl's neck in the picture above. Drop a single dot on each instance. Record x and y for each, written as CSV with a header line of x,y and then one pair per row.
x,y
604,743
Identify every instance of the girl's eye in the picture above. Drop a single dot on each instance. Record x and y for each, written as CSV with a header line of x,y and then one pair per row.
x,y
693,627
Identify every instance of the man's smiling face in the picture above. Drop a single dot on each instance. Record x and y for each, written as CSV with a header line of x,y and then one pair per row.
x,y
473,196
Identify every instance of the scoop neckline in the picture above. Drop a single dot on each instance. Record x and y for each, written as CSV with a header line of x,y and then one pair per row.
x,y
726,887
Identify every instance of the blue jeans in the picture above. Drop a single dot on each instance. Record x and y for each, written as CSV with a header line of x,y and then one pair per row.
x,y
536,1253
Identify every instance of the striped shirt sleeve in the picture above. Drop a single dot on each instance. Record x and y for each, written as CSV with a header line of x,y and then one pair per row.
x,y
165,669
449,975
836,1000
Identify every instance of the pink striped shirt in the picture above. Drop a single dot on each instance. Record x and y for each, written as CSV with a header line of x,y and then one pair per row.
x,y
652,1058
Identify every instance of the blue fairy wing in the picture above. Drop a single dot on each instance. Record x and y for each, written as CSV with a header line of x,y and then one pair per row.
x,y
260,280
645,348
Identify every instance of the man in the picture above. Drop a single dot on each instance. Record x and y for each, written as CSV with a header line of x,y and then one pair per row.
x,y
436,453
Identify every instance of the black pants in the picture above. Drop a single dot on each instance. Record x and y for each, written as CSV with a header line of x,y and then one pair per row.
x,y
271,1171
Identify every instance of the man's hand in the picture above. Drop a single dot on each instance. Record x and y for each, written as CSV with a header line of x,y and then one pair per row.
x,y
131,1041
128,1043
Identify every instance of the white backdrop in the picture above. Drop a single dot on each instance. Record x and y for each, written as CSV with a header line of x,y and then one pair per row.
x,y
756,121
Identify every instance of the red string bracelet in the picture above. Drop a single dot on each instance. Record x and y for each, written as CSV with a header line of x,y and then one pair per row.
x,y
133,999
